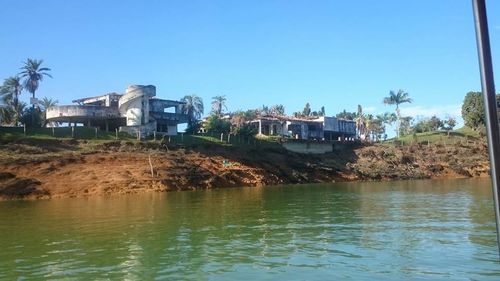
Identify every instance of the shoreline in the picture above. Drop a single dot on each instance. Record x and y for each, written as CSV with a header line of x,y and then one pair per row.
x,y
46,169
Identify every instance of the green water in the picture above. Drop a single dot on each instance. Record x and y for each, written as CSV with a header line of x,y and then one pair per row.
x,y
420,230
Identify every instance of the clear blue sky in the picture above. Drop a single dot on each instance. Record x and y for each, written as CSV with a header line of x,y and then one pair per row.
x,y
333,53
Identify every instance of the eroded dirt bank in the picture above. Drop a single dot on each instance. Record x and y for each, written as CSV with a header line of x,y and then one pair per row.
x,y
51,169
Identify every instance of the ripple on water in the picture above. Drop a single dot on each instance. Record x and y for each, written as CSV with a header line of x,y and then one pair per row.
x,y
387,231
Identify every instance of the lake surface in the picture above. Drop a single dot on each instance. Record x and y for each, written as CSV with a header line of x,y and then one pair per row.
x,y
418,230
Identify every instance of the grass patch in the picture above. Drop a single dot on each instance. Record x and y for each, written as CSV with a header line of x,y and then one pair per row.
x,y
84,133
234,140
456,136
48,137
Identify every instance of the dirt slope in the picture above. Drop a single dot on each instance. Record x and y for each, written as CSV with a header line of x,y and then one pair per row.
x,y
70,169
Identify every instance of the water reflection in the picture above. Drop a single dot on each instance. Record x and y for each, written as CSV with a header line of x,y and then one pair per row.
x,y
396,230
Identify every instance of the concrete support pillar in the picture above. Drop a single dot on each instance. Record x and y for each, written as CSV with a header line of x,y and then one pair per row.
x,y
107,124
88,122
260,127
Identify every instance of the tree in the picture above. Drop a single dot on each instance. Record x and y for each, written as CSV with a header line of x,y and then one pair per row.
x,y
193,107
47,103
31,117
397,99
377,128
449,124
473,110
405,126
11,89
33,74
218,105
265,110
322,111
277,110
429,125
435,123
360,123
346,115
217,125
240,123
6,115
307,110
389,118
374,127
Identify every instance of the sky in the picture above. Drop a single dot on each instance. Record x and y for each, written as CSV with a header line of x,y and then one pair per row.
x,y
336,54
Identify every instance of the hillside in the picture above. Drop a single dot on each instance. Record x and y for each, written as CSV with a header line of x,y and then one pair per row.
x,y
40,166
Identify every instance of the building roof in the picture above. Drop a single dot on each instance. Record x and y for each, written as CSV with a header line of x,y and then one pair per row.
x,y
96,98
169,101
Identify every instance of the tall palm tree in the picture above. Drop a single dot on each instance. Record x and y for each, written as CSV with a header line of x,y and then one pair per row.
x,y
397,99
218,104
193,107
33,73
360,123
369,121
11,89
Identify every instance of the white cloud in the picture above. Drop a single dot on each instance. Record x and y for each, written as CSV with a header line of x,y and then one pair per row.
x,y
428,111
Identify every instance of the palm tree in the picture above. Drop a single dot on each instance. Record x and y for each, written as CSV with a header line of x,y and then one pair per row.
x,y
360,123
193,107
11,89
218,104
8,112
4,109
397,99
369,126
33,73
46,103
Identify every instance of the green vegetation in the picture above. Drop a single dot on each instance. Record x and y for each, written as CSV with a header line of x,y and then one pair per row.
x,y
275,110
14,111
370,127
10,91
85,133
440,136
473,110
397,99
218,105
227,140
433,124
308,112
193,107
216,124
33,74
57,141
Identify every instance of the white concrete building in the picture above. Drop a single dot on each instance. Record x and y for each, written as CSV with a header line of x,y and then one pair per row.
x,y
319,128
137,110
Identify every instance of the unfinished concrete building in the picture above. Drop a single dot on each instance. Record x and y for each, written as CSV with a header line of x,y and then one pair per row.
x,y
137,110
319,128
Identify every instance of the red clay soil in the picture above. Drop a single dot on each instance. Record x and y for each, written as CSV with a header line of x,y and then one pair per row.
x,y
65,170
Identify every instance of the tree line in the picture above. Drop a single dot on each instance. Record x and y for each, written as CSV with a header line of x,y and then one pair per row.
x,y
370,127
